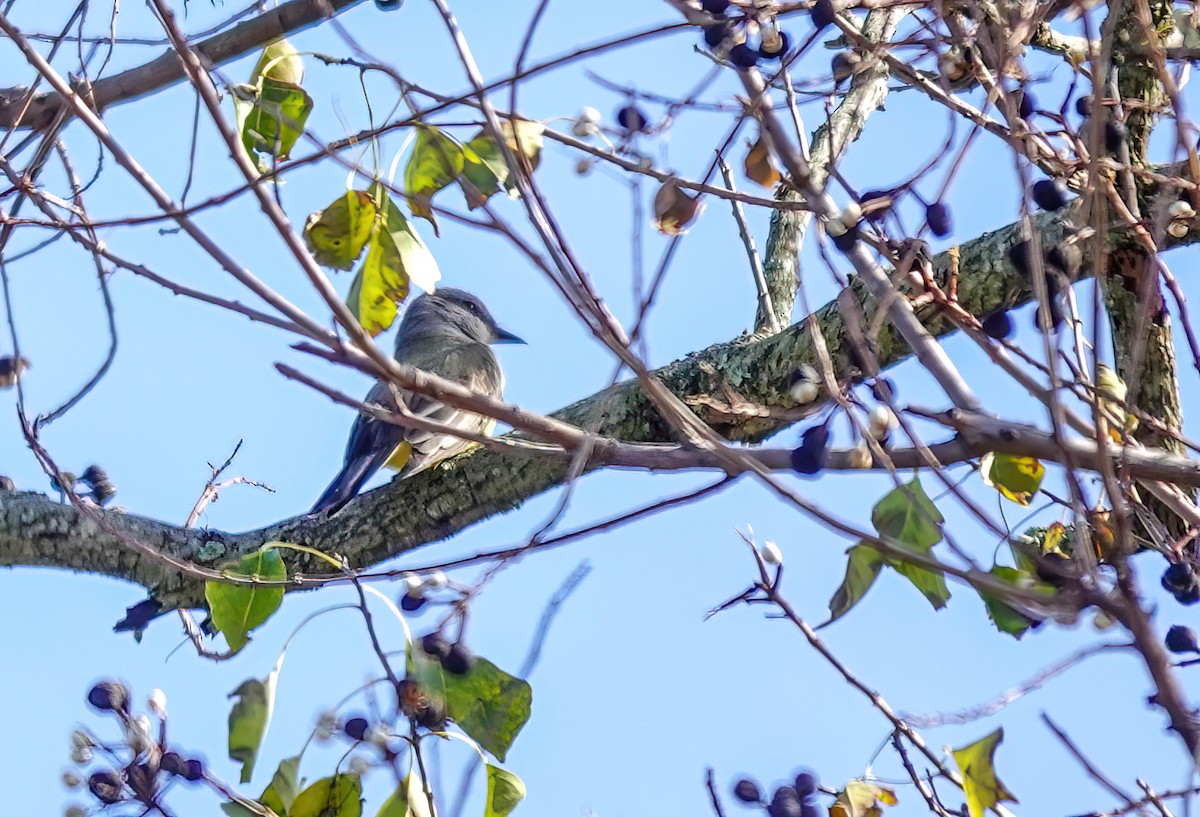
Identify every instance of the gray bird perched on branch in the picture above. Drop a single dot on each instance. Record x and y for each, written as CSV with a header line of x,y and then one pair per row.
x,y
447,334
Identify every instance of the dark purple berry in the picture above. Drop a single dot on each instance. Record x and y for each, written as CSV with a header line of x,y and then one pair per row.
x,y
883,389
172,763
1020,255
715,35
194,770
459,660
823,14
1182,639
747,791
808,808
937,216
1083,106
1180,581
714,6
106,786
1026,105
109,696
1050,194
355,728
434,645
784,46
846,241
410,603
632,119
809,457
785,803
743,56
1115,134
806,784
998,325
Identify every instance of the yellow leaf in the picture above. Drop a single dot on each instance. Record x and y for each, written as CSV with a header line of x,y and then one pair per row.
x,y
435,162
862,799
1016,478
1052,544
983,789
758,165
396,257
336,235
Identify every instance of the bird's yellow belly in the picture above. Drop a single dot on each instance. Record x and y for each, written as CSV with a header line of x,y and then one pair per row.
x,y
400,456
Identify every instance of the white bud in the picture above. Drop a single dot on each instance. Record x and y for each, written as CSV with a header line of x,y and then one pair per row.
x,y
81,755
71,779
835,227
881,421
156,702
377,735
589,114
327,725
805,386
770,552
74,810
1177,229
436,580
1181,209
584,129
851,214
80,740
860,456
137,734
584,166
359,765
414,584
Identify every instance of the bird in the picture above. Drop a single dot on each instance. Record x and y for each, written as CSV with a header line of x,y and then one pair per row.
x,y
446,333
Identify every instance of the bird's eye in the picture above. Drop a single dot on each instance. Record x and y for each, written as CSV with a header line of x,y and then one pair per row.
x,y
472,307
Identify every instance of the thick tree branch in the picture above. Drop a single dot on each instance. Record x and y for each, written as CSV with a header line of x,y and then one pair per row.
x,y
438,503
243,38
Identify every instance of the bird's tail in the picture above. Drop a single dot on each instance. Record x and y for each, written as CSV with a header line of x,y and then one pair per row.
x,y
345,485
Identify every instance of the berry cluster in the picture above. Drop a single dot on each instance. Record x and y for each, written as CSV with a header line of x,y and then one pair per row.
x,y
729,37
140,766
796,800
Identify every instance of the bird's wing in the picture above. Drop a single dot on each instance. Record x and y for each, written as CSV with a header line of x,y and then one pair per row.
x,y
370,445
474,365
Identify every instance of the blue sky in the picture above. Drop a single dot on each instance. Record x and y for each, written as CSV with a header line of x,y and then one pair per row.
x,y
635,693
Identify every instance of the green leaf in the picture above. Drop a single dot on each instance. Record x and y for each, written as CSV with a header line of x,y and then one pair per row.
x,y
505,790
976,764
908,515
396,258
931,583
271,116
487,168
1007,618
337,796
408,800
861,570
336,235
487,703
279,61
248,721
284,786
1016,478
435,162
239,608
484,171
861,798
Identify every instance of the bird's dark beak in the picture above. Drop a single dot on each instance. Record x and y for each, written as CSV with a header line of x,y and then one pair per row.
x,y
504,336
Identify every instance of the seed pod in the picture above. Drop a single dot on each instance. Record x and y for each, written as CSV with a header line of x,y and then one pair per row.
x,y
674,209
109,696
779,49
106,786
